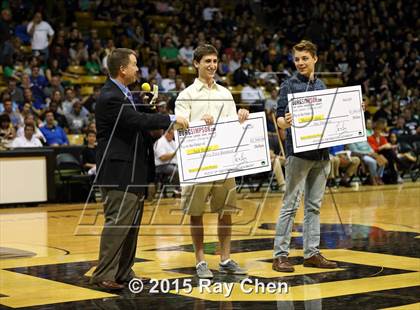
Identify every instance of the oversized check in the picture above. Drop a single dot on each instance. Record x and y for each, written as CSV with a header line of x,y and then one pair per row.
x,y
223,150
325,118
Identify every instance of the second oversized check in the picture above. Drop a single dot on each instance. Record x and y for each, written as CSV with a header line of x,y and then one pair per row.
x,y
325,118
224,150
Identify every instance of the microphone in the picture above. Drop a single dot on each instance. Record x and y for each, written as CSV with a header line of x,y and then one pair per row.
x,y
145,87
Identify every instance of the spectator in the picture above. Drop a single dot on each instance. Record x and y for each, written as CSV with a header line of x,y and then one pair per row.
x,y
168,83
14,116
411,122
92,126
169,53
253,96
374,161
56,97
9,70
137,35
76,120
236,62
93,65
400,129
186,53
59,117
162,108
210,11
36,94
165,159
21,33
30,121
7,132
243,74
271,103
53,133
381,145
37,105
74,38
348,163
6,50
34,61
27,110
41,36
28,139
404,152
78,54
89,153
334,172
37,80
54,69
369,127
55,85
69,100
90,102
385,113
5,96
223,66
16,94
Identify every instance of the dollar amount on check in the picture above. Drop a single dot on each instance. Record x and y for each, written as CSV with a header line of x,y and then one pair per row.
x,y
224,150
325,118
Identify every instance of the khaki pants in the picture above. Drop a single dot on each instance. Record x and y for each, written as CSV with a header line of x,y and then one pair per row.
x,y
350,167
223,197
335,165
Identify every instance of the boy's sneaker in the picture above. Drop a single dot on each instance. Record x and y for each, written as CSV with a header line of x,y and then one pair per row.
x,y
203,270
231,267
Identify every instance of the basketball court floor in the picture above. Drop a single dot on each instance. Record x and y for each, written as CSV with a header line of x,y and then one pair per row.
x,y
49,251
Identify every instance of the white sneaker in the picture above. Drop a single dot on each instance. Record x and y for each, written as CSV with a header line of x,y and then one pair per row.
x,y
203,270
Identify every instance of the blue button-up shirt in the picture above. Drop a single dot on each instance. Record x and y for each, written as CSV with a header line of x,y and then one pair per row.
x,y
297,84
127,93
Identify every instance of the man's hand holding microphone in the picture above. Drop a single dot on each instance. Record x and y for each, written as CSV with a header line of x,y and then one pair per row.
x,y
150,96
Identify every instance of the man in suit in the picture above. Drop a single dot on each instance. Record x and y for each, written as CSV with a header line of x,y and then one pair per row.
x,y
122,167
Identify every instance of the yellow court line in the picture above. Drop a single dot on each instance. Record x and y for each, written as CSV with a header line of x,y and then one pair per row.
x,y
22,290
415,306
317,291
374,259
50,260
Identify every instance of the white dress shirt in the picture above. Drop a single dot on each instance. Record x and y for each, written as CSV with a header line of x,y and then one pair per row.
x,y
162,147
23,142
198,99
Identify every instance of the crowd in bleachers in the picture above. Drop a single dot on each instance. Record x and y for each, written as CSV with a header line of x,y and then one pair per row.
x,y
53,61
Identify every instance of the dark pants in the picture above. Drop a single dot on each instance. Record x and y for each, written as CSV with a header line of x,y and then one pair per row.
x,y
391,174
123,212
169,170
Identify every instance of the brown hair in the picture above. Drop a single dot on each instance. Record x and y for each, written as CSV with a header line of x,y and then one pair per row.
x,y
306,46
380,123
204,50
30,125
119,57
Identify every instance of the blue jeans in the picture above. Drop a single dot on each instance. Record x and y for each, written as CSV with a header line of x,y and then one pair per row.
x,y
309,176
45,54
374,169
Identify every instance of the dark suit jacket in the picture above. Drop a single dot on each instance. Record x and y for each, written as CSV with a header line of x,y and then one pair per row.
x,y
122,152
